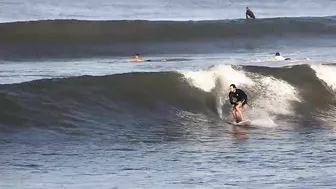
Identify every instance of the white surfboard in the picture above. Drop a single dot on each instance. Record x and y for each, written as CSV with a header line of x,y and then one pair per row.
x,y
242,123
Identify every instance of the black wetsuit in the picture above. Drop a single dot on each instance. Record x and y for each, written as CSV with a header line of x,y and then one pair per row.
x,y
250,14
238,96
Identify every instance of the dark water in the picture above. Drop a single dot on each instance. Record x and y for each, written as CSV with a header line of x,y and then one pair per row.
x,y
211,156
75,38
162,129
160,9
76,114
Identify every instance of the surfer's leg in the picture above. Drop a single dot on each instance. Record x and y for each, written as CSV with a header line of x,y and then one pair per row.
x,y
238,118
244,105
234,113
240,113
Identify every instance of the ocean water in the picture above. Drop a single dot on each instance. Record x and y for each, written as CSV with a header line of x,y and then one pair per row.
x,y
75,113
160,9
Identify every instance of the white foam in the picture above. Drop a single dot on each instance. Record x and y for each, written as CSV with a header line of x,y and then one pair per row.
x,y
264,122
276,58
217,79
326,74
274,95
269,95
223,74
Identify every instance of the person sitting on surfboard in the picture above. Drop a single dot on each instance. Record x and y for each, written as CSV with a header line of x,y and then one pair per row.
x,y
137,58
238,98
279,57
249,14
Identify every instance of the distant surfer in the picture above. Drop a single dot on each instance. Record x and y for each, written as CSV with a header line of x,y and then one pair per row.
x,y
279,57
249,14
137,58
238,99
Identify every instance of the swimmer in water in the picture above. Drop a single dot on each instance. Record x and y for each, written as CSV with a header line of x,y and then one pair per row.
x,y
136,58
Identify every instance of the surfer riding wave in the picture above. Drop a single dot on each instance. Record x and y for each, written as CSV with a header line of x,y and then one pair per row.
x,y
238,99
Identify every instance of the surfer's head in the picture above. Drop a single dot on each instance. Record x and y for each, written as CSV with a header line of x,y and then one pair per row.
x,y
233,88
247,8
136,55
277,54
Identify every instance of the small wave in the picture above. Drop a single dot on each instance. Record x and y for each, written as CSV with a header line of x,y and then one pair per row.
x,y
78,38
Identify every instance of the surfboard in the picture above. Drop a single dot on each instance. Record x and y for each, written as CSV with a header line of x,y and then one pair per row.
x,y
242,123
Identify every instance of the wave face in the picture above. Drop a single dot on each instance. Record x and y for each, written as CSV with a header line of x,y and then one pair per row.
x,y
122,31
300,93
121,37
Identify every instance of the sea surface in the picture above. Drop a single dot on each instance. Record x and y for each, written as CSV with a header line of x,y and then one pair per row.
x,y
76,114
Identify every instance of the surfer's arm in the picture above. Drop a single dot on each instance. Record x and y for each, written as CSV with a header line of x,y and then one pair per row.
x,y
245,96
230,98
